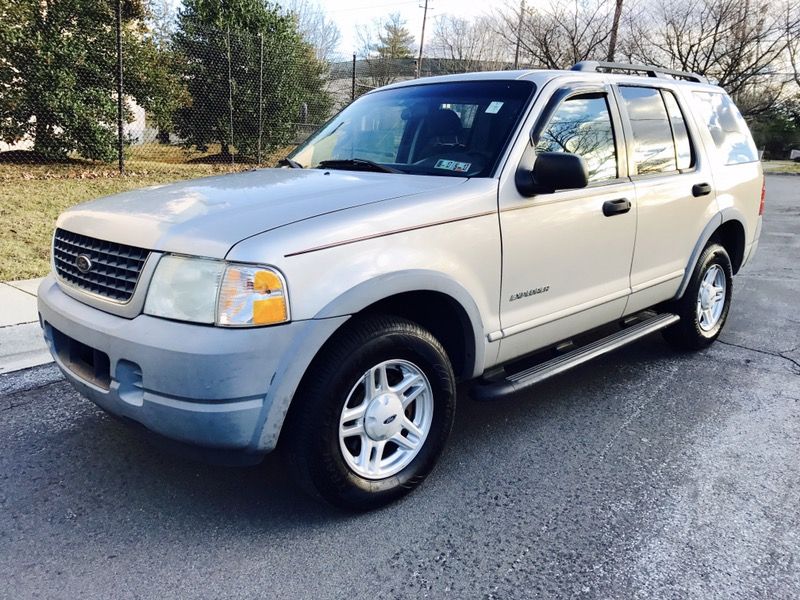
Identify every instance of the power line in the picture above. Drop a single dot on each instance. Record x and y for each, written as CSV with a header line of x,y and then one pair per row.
x,y
369,6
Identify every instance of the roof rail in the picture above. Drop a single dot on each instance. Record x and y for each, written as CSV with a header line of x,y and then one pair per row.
x,y
652,71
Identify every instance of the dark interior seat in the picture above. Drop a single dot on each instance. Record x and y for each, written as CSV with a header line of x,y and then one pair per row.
x,y
441,131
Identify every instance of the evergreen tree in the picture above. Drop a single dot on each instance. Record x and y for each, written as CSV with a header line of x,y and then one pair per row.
x,y
234,52
58,73
384,46
395,41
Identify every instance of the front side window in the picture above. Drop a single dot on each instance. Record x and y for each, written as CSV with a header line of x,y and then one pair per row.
x,y
450,129
727,127
582,126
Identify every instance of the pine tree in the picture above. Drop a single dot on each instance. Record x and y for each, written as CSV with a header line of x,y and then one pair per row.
x,y
395,41
231,51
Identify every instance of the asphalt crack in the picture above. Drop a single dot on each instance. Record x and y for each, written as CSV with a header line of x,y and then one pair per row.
x,y
782,355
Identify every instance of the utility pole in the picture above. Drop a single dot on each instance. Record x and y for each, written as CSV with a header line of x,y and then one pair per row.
x,y
519,33
612,42
422,39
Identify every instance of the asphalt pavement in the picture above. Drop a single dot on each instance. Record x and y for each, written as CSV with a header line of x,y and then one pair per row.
x,y
646,474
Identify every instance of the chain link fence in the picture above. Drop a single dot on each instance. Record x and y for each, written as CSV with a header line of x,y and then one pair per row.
x,y
104,88
235,98
245,107
221,99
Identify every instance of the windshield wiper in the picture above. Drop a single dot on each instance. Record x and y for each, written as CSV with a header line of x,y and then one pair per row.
x,y
288,162
358,164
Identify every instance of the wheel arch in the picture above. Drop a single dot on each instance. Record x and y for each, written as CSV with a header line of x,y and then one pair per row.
x,y
732,237
396,293
727,228
434,300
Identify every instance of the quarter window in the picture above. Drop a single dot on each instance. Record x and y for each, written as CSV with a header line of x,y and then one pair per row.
x,y
582,126
727,127
683,147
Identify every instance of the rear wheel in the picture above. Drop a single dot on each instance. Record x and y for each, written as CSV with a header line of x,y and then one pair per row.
x,y
704,307
373,414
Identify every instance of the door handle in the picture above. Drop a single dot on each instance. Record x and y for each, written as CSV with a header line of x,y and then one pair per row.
x,y
616,207
701,189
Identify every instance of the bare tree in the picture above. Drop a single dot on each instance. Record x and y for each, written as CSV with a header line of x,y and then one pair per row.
x,y
163,19
743,45
469,45
558,33
794,53
316,27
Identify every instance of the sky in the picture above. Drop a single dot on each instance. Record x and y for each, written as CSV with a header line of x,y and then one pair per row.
x,y
349,14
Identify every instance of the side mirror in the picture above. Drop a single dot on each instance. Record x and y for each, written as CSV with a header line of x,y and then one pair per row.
x,y
552,171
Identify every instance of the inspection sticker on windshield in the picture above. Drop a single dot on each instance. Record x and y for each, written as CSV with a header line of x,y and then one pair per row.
x,y
452,165
494,107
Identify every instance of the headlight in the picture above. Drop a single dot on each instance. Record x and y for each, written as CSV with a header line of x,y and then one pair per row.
x,y
185,289
215,292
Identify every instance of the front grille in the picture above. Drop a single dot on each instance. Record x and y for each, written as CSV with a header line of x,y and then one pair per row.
x,y
114,271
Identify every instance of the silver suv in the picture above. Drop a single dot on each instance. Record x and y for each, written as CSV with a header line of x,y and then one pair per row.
x,y
435,230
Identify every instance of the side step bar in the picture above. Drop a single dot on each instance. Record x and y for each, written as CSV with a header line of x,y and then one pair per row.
x,y
516,382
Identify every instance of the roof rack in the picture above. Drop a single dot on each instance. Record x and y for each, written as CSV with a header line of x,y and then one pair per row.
x,y
652,71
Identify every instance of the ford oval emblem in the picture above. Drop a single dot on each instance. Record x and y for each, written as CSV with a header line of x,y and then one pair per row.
x,y
83,263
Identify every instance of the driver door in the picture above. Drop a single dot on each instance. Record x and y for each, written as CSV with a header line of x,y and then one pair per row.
x,y
566,256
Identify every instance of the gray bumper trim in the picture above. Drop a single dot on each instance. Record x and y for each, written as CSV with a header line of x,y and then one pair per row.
x,y
197,384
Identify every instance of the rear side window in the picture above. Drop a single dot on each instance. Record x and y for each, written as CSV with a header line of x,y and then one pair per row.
x,y
582,126
727,127
654,145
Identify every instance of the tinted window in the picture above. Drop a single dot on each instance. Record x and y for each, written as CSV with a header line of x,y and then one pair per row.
x,y
727,127
654,149
683,148
582,126
457,129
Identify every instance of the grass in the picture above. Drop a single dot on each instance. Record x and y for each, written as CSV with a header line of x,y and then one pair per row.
x,y
781,166
32,197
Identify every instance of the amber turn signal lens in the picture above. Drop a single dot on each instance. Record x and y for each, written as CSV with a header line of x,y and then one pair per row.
x,y
251,295
266,282
271,310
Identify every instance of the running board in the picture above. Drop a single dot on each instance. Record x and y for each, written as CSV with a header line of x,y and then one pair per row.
x,y
516,382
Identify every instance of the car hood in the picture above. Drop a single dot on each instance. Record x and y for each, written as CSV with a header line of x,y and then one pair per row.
x,y
206,217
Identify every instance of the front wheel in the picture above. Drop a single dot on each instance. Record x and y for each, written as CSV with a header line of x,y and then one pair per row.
x,y
372,414
704,306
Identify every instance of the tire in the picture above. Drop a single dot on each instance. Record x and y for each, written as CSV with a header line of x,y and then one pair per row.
x,y
336,458
701,324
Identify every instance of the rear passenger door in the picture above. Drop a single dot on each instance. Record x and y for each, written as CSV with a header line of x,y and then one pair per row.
x,y
675,197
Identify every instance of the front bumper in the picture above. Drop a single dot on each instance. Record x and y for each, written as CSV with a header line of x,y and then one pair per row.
x,y
198,384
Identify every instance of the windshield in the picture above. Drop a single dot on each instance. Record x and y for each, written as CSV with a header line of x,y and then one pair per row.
x,y
456,129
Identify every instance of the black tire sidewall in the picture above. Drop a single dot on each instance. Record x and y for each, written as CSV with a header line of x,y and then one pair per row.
x,y
339,372
694,335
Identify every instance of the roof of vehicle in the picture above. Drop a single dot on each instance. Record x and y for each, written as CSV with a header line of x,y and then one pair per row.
x,y
586,71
